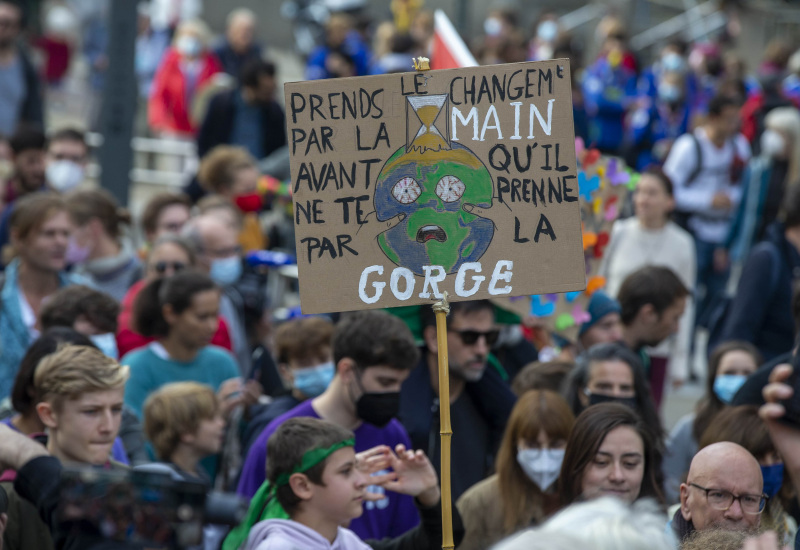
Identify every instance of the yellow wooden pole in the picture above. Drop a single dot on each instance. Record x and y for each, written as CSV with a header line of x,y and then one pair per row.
x,y
441,309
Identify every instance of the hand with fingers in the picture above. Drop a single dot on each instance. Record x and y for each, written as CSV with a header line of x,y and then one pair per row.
x,y
497,213
230,396
785,436
412,473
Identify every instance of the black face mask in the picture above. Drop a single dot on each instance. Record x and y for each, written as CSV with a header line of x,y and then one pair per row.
x,y
595,398
378,408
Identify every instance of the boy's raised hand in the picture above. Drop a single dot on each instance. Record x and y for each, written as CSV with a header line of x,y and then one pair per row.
x,y
413,474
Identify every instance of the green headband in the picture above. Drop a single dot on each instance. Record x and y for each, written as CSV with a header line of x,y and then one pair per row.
x,y
265,505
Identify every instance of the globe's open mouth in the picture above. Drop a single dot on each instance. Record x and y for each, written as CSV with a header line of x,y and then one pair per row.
x,y
431,232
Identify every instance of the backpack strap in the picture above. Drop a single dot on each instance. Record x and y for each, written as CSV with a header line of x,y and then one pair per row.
x,y
698,155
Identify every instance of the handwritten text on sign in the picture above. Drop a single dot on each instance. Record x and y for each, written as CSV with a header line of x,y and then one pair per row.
x,y
409,185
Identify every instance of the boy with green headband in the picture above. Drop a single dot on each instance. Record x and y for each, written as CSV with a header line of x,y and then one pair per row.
x,y
316,484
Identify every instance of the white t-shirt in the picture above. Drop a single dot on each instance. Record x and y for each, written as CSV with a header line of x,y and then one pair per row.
x,y
708,224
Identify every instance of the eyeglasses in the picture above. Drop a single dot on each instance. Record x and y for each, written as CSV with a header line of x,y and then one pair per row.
x,y
162,267
469,337
722,500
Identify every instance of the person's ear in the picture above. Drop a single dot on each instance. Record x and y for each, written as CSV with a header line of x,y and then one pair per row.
x,y
286,373
301,486
429,335
47,414
169,314
345,369
187,438
685,512
647,314
670,204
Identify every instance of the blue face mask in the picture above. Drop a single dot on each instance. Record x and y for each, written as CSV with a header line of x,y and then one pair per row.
x,y
107,343
312,381
773,479
726,386
226,271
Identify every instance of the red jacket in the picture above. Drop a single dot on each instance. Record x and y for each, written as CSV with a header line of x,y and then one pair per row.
x,y
168,107
128,340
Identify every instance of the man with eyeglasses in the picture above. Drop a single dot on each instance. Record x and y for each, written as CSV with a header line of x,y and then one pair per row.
x,y
723,490
480,400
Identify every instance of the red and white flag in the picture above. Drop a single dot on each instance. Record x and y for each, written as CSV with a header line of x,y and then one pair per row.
x,y
448,50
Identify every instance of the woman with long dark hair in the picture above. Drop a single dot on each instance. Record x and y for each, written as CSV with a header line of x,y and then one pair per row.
x,y
610,452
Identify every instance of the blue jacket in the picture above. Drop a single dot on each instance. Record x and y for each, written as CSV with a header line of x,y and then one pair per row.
x,y
654,125
608,92
14,336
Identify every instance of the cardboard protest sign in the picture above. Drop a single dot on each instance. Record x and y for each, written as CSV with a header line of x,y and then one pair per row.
x,y
409,185
604,184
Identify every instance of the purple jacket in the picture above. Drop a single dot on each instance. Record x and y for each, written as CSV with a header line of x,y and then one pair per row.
x,y
389,517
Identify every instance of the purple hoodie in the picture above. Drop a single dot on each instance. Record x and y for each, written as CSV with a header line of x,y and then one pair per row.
x,y
285,534
389,517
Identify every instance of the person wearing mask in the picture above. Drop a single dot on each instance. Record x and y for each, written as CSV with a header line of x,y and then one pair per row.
x,y
220,256
246,116
239,46
231,172
610,452
542,46
653,299
650,238
522,492
87,310
761,311
728,368
164,213
98,248
609,89
611,372
705,168
724,489
766,180
305,363
169,255
655,123
40,231
480,399
22,94
742,425
185,69
65,158
373,353
182,313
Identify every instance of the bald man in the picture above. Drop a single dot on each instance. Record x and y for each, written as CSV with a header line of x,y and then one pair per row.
x,y
724,490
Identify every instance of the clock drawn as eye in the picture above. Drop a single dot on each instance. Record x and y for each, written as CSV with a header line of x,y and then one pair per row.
x,y
450,188
406,190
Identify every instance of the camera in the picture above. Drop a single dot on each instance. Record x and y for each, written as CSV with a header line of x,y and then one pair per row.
x,y
153,505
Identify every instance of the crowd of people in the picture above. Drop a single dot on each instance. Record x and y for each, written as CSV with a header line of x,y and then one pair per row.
x,y
126,340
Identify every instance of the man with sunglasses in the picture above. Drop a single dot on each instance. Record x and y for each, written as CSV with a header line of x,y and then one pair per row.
x,y
480,400
723,490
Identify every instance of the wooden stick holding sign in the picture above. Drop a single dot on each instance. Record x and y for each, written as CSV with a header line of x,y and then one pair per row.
x,y
456,184
442,309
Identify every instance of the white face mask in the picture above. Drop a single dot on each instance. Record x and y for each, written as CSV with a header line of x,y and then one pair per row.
x,y
188,46
542,466
772,144
107,343
64,175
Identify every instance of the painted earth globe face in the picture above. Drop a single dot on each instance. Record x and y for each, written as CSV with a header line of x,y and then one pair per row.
x,y
430,188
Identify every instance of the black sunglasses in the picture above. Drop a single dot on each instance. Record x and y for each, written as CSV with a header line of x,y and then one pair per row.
x,y
161,267
469,337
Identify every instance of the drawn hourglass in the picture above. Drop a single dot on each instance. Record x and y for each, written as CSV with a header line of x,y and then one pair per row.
x,y
427,109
